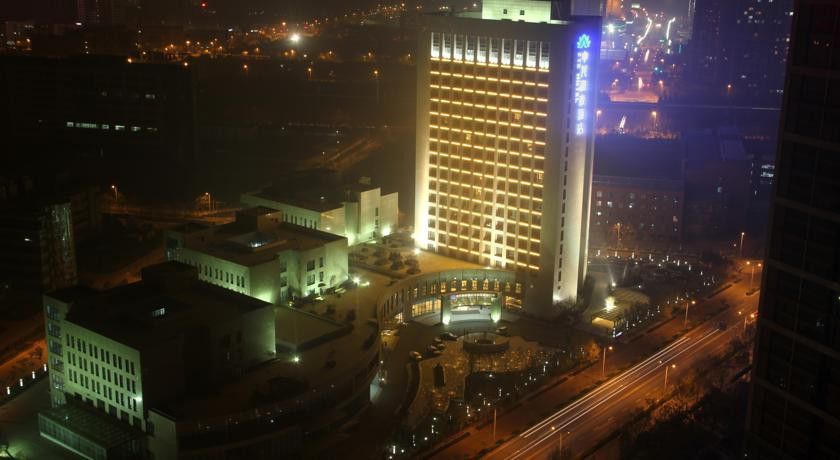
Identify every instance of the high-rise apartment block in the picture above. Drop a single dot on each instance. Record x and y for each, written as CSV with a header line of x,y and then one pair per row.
x,y
794,409
505,112
740,46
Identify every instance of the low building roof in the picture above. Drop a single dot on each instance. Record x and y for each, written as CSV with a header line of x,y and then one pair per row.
x,y
93,425
246,245
169,300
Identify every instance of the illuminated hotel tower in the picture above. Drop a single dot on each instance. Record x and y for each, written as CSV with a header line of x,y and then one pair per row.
x,y
505,121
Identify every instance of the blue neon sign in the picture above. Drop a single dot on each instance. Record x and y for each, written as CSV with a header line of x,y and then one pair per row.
x,y
582,57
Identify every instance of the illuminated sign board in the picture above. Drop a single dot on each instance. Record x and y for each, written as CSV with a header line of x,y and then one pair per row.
x,y
582,65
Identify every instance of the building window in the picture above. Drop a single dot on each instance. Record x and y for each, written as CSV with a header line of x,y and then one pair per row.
x,y
310,265
321,277
504,11
282,266
522,12
320,262
310,279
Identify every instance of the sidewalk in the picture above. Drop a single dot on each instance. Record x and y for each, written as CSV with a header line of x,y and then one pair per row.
x,y
32,359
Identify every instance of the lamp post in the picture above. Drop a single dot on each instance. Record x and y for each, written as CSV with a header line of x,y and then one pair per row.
x,y
209,201
654,115
685,321
116,194
604,363
741,246
376,77
672,366
752,273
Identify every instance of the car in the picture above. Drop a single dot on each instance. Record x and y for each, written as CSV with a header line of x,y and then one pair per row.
x,y
438,341
415,355
448,336
502,330
431,349
440,346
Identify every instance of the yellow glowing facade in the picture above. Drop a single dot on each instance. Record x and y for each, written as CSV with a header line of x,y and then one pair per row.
x,y
504,146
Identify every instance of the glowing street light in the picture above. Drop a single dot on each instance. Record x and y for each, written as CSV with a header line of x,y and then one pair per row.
x,y
672,366
295,37
685,321
604,364
741,245
116,193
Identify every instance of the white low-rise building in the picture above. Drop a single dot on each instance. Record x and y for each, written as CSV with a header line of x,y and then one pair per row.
x,y
359,212
262,256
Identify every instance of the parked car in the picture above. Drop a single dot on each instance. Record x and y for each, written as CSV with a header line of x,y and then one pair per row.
x,y
415,355
448,336
438,341
503,330
431,349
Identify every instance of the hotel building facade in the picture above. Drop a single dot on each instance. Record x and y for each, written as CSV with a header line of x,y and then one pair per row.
x,y
505,133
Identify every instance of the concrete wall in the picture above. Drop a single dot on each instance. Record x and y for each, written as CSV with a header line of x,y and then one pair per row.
x,y
163,443
389,213
368,208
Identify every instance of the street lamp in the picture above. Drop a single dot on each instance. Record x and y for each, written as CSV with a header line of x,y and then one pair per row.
x,y
309,73
752,273
741,246
295,37
116,194
685,321
376,77
672,366
654,114
209,201
604,364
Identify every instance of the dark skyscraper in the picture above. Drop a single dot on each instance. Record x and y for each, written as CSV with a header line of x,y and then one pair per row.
x,y
742,43
795,398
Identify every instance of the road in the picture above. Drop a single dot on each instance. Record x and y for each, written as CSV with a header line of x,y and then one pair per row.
x,y
591,418
583,422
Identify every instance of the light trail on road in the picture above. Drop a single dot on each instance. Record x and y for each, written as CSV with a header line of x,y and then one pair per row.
x,y
626,382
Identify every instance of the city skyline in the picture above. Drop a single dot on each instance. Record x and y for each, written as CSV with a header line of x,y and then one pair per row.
x,y
504,229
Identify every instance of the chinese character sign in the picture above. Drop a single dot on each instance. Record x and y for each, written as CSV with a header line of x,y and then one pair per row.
x,y
582,65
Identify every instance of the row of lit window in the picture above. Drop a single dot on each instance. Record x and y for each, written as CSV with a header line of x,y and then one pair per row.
x,y
502,211
479,77
488,64
492,51
487,107
476,133
488,121
486,256
499,177
476,186
495,205
487,189
107,127
450,146
538,174
490,88
508,73
509,232
503,202
489,93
